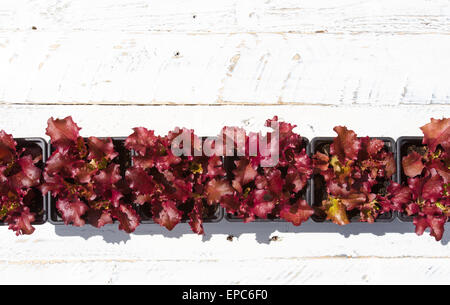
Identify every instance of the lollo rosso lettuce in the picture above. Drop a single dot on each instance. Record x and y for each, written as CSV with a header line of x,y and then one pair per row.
x,y
426,196
18,175
262,189
357,172
84,178
172,187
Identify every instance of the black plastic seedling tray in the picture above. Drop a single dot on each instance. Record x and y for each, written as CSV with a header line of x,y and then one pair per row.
x,y
318,188
124,159
230,166
403,144
35,147
213,214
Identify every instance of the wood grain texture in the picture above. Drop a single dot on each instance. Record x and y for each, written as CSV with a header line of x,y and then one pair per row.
x,y
377,66
310,254
229,16
150,68
312,121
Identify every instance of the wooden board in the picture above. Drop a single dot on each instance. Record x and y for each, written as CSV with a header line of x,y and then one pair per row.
x,y
379,67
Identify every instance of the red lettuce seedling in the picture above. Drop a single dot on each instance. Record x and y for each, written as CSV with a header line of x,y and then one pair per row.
x,y
172,186
85,179
18,175
356,172
262,191
428,170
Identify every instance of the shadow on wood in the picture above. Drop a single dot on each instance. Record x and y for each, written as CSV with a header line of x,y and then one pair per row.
x,y
265,233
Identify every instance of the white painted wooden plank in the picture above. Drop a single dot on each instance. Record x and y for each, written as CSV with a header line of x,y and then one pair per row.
x,y
306,16
148,68
295,271
151,255
312,121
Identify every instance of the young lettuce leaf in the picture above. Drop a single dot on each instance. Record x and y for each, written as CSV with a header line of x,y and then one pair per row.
x,y
356,172
174,187
85,179
276,191
426,196
18,175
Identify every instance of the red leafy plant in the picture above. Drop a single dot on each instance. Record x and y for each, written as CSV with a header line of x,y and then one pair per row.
x,y
171,187
427,168
84,177
258,189
19,177
356,172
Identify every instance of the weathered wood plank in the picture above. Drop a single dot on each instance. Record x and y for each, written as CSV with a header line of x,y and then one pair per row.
x,y
293,271
312,121
308,16
71,255
148,68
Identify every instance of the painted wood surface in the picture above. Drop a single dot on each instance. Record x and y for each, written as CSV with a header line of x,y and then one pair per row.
x,y
95,67
379,67
229,16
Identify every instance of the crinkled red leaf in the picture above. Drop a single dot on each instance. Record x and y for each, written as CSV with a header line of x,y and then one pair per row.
x,y
321,161
441,169
335,211
389,165
399,195
140,181
196,217
127,217
215,167
437,132
106,184
98,218
435,223
216,189
433,188
353,200
412,164
7,147
18,177
72,211
275,181
295,182
230,203
263,203
168,215
62,131
28,176
62,162
141,140
21,221
109,176
346,145
370,147
84,173
243,174
303,163
100,149
296,213
182,190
